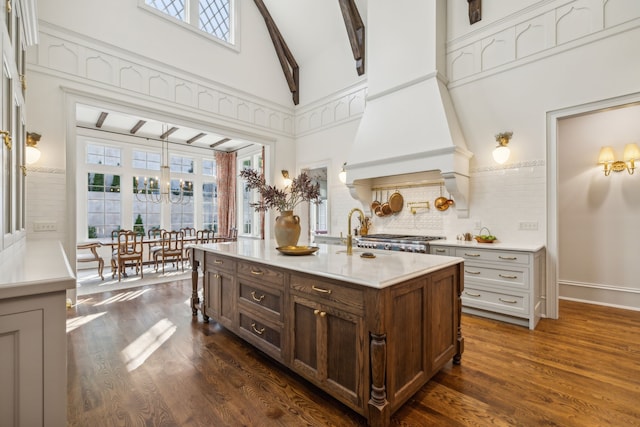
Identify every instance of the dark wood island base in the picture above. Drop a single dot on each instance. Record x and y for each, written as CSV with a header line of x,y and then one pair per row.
x,y
372,348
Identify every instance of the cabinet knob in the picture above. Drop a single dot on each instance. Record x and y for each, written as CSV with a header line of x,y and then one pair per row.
x,y
319,313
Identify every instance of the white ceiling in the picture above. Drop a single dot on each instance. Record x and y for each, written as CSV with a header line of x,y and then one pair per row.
x,y
121,123
308,27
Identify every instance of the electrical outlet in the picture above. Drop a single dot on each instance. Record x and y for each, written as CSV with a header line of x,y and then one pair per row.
x,y
528,225
44,226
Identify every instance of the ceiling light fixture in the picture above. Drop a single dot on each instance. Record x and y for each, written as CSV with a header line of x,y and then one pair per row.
x,y
501,152
608,159
160,190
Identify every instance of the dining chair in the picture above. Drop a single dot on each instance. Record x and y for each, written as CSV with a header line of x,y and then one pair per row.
x,y
202,236
172,247
188,231
92,256
155,237
129,250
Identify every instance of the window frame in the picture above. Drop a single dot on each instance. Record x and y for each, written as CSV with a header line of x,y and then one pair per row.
x,y
192,21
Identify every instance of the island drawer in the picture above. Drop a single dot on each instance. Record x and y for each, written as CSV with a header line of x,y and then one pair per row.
x,y
263,335
516,278
261,297
261,272
515,304
216,262
327,292
507,257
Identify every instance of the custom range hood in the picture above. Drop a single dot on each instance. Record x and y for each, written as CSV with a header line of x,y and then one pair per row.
x,y
409,128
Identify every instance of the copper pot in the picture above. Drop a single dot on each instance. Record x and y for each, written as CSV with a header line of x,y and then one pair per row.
x,y
375,204
386,208
441,203
396,201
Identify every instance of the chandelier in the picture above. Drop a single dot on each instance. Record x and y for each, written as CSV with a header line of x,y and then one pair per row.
x,y
159,190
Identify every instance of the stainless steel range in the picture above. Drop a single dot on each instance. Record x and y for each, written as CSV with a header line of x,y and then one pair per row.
x,y
396,242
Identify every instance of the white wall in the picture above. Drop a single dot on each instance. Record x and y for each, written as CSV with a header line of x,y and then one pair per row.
x,y
598,228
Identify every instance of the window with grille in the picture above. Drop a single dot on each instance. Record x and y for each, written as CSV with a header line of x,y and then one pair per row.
x,y
103,204
210,16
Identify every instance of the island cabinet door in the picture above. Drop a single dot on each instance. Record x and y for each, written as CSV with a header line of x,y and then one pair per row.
x,y
219,291
327,347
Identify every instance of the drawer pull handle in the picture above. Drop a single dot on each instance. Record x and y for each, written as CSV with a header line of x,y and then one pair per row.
x,y
255,298
473,255
472,295
257,331
257,272
323,291
509,301
472,272
218,261
319,313
507,277
508,258
441,250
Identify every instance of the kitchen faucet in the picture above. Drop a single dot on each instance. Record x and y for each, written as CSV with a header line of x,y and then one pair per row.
x,y
349,237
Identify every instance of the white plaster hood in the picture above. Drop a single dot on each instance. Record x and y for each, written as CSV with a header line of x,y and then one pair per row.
x,y
409,125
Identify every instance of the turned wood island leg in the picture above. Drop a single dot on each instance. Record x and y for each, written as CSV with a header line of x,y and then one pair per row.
x,y
379,411
195,300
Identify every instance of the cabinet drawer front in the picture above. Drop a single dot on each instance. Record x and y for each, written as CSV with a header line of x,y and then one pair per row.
x,y
262,335
508,257
509,303
261,272
437,250
261,297
514,278
328,292
216,262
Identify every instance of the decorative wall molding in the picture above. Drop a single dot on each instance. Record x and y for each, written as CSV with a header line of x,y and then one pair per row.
x,y
612,296
83,59
37,169
536,33
332,110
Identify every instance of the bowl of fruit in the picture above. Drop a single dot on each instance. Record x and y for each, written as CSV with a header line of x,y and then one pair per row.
x,y
485,237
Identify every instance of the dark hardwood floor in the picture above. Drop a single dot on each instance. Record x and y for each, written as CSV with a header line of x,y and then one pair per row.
x,y
138,358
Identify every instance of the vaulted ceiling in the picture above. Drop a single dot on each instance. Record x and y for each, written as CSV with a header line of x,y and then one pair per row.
x,y
307,26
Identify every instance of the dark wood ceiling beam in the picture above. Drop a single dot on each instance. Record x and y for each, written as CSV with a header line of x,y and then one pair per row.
x,y
222,141
101,119
195,138
137,126
168,132
355,31
287,61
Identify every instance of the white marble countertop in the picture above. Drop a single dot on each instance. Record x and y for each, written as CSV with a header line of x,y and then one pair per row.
x,y
32,267
331,261
526,247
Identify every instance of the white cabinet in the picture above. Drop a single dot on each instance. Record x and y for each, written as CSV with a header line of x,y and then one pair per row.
x,y
34,277
502,284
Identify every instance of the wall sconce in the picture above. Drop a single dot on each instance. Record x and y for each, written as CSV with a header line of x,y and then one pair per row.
x,y
501,152
342,175
285,175
32,152
608,159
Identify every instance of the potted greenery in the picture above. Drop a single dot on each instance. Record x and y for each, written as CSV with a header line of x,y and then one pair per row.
x,y
302,189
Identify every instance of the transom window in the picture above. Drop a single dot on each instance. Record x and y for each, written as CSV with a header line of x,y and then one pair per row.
x,y
211,16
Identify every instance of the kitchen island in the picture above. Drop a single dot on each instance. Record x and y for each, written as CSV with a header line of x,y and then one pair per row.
x,y
368,331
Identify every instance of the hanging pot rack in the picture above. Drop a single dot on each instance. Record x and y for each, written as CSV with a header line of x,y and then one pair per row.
x,y
407,185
